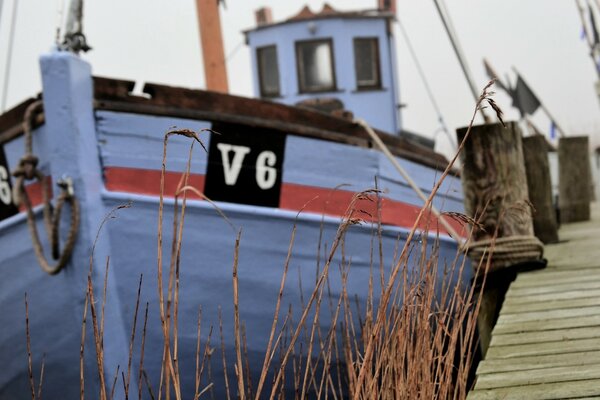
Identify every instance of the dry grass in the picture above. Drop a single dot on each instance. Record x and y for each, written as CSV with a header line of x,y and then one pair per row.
x,y
413,338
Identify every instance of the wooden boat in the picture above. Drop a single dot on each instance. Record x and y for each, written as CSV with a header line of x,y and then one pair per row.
x,y
271,166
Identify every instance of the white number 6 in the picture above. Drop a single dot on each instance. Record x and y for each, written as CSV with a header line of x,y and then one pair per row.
x,y
5,195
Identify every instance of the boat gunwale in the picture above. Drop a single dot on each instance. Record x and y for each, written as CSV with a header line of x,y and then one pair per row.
x,y
161,100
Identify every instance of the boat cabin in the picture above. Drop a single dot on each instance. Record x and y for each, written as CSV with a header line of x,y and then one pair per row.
x,y
330,60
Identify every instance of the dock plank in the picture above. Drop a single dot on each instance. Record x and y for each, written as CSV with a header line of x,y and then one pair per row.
x,y
537,362
531,349
555,288
544,325
548,391
550,305
549,314
538,376
572,294
546,336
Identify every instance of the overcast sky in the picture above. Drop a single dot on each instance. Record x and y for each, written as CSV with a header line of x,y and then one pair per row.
x,y
158,41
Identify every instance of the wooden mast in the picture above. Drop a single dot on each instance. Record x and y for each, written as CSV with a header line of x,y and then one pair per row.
x,y
211,41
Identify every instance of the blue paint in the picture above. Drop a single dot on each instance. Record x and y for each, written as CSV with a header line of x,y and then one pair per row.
x,y
306,161
365,104
136,141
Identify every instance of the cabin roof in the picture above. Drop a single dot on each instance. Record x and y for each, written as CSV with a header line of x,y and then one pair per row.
x,y
161,100
327,12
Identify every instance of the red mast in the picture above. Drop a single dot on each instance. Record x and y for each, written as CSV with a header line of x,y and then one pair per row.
x,y
211,41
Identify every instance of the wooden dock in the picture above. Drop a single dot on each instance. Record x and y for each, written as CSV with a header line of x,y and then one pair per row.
x,y
546,343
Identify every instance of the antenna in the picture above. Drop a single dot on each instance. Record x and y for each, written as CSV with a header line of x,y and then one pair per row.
x,y
74,39
11,39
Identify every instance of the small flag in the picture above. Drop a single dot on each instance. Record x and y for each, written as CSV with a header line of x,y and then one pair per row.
x,y
493,75
523,98
552,130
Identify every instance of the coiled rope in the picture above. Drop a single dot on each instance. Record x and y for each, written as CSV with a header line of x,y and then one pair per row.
x,y
505,251
27,171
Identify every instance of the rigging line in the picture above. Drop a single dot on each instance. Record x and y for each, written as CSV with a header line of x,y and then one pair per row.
x,y
445,17
11,39
235,50
436,107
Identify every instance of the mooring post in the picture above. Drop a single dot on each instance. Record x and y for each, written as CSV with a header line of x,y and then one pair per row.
x,y
495,193
574,179
539,185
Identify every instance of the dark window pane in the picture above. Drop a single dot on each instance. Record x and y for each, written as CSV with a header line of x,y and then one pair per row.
x,y
315,66
268,71
366,61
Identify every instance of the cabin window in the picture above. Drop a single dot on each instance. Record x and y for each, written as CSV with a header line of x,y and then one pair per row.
x,y
268,71
366,63
314,61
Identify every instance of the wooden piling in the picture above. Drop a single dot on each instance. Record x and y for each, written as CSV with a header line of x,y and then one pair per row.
x,y
575,182
495,193
539,185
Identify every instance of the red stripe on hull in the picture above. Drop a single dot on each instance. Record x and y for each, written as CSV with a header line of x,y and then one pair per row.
x,y
34,191
335,203
293,197
147,181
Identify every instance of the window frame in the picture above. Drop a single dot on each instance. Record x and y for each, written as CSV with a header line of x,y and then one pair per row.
x,y
376,63
261,81
300,67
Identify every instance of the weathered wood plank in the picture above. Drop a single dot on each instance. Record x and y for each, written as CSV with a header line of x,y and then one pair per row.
x,y
546,336
548,314
538,362
548,391
551,277
537,376
550,305
554,288
544,325
523,350
573,294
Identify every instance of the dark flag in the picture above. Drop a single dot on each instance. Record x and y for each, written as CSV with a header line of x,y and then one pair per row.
x,y
493,75
523,98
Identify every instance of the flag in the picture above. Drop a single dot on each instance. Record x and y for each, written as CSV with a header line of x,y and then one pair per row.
x,y
552,130
523,98
493,75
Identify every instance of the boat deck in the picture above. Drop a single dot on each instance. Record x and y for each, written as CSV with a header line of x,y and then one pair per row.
x,y
546,343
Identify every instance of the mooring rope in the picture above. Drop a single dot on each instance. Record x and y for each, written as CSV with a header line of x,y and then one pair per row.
x,y
26,171
386,151
506,251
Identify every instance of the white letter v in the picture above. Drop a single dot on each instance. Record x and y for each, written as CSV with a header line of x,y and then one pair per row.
x,y
232,170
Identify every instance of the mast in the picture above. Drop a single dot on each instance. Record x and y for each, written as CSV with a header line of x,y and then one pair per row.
x,y
11,39
211,41
586,32
459,53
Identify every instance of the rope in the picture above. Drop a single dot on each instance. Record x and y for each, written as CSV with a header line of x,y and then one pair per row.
x,y
505,251
386,151
26,171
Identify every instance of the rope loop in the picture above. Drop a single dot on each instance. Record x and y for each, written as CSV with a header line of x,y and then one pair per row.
x,y
27,171
505,251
